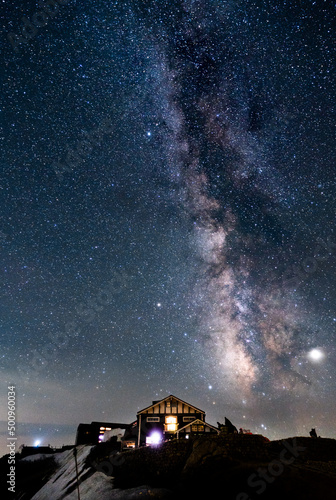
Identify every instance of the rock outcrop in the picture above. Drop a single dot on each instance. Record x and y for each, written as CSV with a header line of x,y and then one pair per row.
x,y
232,467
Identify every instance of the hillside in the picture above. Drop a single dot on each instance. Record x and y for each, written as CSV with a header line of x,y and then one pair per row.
x,y
240,467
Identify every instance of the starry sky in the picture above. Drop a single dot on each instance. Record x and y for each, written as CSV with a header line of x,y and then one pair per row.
x,y
168,213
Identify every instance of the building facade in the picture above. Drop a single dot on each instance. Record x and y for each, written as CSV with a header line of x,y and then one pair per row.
x,y
169,418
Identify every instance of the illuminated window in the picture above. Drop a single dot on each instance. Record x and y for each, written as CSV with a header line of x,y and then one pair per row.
x,y
197,428
102,428
171,424
129,444
108,428
171,420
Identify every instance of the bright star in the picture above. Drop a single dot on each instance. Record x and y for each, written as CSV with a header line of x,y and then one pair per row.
x,y
316,355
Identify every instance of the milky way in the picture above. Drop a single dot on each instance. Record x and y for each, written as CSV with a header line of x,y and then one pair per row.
x,y
221,126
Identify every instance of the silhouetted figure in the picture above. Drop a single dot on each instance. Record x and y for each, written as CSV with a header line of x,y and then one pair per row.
x,y
313,433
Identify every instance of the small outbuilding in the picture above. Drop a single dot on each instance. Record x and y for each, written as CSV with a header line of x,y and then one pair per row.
x,y
97,432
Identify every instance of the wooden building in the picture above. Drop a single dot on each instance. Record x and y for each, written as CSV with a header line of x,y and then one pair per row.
x,y
169,418
165,419
195,427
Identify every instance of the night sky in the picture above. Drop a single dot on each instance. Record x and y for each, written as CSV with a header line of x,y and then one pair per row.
x,y
168,213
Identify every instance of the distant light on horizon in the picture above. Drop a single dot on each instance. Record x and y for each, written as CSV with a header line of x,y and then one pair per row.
x,y
37,443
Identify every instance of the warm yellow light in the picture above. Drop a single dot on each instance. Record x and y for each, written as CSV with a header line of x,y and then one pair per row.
x,y
171,424
171,420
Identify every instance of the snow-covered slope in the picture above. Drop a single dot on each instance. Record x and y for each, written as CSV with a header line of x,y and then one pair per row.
x,y
93,485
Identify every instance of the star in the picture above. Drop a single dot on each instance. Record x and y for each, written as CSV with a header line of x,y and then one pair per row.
x,y
178,150
316,355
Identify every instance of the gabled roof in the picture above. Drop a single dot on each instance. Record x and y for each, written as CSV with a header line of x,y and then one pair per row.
x,y
167,399
197,421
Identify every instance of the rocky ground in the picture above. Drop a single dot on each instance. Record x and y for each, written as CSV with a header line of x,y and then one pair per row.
x,y
237,467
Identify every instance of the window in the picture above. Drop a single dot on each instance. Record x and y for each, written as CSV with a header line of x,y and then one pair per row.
x,y
153,419
197,428
129,444
188,419
171,424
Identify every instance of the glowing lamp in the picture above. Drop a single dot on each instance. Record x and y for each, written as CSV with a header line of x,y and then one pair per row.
x,y
155,438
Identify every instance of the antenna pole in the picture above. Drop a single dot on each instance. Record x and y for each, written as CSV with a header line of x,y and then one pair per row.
x,y
75,455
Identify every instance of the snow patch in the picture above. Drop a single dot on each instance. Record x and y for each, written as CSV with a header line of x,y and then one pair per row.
x,y
62,485
38,456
